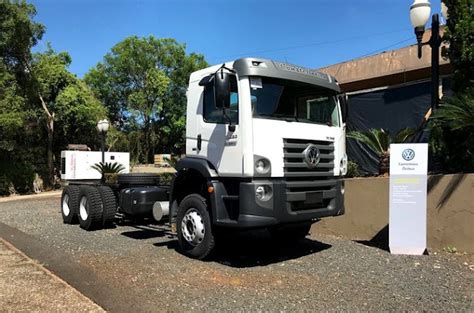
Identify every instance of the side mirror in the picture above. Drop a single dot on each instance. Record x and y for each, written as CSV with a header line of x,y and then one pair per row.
x,y
222,89
343,100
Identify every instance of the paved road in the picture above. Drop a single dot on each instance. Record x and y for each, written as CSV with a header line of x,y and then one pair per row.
x,y
136,267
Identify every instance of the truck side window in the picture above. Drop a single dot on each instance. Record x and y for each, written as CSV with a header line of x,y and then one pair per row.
x,y
213,115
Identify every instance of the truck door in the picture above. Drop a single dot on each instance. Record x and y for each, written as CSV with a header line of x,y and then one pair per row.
x,y
219,145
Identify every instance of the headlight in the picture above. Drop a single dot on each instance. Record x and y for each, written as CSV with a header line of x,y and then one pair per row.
x,y
263,192
343,165
262,166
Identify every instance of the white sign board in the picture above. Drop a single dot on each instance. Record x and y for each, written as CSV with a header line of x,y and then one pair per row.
x,y
408,186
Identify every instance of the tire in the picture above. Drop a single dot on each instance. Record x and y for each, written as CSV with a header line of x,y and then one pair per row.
x,y
290,233
90,208
138,179
70,204
109,204
193,223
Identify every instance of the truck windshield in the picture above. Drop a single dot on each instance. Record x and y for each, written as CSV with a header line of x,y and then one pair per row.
x,y
293,101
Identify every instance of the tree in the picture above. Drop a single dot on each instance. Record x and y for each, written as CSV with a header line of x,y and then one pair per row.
x,y
142,82
379,140
452,124
459,38
41,103
452,127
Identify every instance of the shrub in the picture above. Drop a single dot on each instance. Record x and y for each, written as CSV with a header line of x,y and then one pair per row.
x,y
352,169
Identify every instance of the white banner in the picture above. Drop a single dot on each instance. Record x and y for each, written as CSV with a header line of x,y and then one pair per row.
x,y
408,187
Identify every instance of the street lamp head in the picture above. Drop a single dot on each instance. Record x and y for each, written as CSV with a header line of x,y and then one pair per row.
x,y
103,126
444,10
420,12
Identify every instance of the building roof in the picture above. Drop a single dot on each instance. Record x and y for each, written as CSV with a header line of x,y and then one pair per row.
x,y
387,68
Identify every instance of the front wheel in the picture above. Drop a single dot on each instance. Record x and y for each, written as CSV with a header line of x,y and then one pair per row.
x,y
195,235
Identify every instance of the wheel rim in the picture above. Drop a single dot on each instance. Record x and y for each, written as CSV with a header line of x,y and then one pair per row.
x,y
65,206
83,208
192,227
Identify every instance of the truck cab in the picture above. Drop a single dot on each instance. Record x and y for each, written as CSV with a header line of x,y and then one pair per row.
x,y
265,147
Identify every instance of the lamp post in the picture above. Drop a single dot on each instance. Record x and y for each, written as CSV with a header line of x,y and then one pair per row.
x,y
420,12
103,127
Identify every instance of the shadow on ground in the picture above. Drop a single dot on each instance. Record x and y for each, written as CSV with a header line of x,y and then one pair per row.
x,y
239,249
380,240
257,248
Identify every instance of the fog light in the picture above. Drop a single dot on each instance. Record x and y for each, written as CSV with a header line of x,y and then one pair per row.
x,y
263,193
262,166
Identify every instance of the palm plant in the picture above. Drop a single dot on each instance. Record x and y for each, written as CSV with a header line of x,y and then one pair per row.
x,y
379,140
108,167
458,113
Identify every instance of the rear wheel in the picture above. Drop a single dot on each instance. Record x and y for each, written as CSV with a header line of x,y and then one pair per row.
x,y
194,229
90,208
70,204
109,204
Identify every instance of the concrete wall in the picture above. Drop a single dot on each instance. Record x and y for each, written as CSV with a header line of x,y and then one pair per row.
x,y
387,68
450,212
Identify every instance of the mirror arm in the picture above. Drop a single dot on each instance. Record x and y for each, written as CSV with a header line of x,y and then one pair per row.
x,y
229,120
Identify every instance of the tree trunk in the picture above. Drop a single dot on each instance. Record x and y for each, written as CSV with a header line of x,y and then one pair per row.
x,y
384,163
50,127
50,130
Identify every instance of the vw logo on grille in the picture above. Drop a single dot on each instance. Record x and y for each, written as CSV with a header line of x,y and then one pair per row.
x,y
311,156
408,154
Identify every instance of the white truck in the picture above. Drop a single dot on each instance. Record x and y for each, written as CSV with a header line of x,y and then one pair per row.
x,y
265,148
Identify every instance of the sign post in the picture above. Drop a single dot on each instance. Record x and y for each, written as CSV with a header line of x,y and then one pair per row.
x,y
408,187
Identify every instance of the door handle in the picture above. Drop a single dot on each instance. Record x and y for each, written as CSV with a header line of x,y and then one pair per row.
x,y
199,143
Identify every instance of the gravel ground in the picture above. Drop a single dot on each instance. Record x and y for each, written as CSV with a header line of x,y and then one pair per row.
x,y
254,273
26,287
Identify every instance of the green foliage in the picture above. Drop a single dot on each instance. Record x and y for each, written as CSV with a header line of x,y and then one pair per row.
x,y
459,37
166,178
142,82
77,112
18,33
108,167
451,140
379,140
457,113
19,175
352,169
450,249
43,106
173,161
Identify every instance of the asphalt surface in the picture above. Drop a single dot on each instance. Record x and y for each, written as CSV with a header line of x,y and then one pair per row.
x,y
136,267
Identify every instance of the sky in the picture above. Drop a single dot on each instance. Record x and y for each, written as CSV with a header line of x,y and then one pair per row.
x,y
308,33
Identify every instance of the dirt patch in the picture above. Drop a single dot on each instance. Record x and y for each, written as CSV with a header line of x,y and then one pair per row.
x,y
26,286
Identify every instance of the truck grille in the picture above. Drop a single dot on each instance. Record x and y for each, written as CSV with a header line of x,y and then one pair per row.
x,y
308,188
294,164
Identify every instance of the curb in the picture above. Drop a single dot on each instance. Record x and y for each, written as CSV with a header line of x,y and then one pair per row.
x,y
50,274
43,195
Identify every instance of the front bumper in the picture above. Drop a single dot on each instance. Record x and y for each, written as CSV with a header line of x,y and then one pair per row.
x,y
287,205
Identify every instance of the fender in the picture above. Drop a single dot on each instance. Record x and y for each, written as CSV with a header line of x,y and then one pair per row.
x,y
200,165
